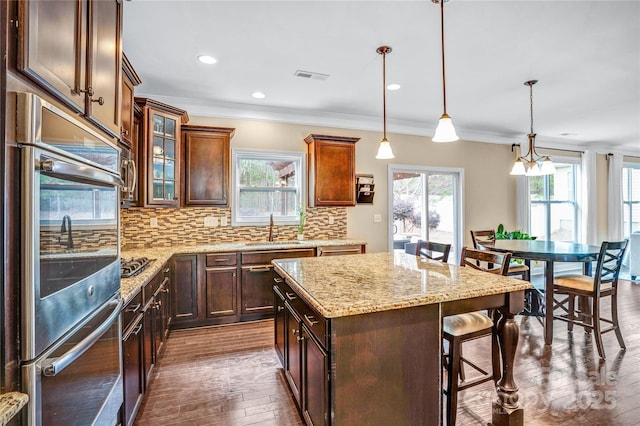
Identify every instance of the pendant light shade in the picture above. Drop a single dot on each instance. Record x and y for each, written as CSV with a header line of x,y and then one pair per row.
x,y
384,149
532,164
445,132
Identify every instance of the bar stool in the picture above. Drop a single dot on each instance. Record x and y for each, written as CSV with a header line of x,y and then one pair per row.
x,y
433,250
486,239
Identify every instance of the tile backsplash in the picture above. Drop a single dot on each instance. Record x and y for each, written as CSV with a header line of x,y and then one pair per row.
x,y
185,226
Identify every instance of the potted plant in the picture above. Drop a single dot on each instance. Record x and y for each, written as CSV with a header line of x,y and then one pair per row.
x,y
302,215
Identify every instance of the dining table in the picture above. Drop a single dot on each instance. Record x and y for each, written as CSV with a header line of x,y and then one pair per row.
x,y
549,252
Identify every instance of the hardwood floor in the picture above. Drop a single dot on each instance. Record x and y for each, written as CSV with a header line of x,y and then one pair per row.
x,y
230,375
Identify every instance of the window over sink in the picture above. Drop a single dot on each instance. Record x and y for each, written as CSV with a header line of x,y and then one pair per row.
x,y
266,183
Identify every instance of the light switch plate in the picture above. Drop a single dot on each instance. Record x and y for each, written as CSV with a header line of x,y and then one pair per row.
x,y
377,218
223,221
153,222
331,220
211,221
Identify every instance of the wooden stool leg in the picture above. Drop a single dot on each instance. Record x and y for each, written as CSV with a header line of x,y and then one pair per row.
x,y
614,318
452,380
596,326
572,312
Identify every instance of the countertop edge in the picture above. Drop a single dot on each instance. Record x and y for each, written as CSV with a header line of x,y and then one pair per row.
x,y
10,404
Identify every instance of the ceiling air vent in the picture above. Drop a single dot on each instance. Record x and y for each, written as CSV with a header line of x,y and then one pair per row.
x,y
311,75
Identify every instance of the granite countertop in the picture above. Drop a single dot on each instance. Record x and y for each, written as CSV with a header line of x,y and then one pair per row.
x,y
129,287
351,285
10,404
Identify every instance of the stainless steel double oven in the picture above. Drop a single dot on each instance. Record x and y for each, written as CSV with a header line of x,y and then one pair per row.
x,y
70,325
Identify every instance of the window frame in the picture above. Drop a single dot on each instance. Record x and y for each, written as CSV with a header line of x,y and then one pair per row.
x,y
240,154
626,232
547,202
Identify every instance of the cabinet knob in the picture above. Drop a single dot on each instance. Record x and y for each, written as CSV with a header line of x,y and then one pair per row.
x,y
100,100
295,331
280,308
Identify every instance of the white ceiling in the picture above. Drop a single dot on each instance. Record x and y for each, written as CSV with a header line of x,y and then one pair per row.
x,y
585,54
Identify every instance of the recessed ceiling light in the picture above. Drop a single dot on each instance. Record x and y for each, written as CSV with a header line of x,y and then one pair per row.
x,y
206,59
393,86
568,134
258,95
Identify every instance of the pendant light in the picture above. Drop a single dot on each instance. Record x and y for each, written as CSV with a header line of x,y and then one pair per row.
x,y
528,164
384,149
445,132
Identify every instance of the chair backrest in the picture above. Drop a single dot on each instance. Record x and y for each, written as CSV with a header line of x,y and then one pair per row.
x,y
484,238
609,263
431,249
485,260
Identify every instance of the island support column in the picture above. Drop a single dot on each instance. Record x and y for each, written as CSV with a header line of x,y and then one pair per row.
x,y
506,411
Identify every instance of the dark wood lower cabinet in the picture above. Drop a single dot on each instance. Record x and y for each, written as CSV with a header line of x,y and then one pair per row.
x,y
133,369
149,341
221,292
257,293
293,358
315,374
280,324
185,289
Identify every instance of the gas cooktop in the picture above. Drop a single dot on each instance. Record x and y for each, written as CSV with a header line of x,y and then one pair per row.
x,y
132,267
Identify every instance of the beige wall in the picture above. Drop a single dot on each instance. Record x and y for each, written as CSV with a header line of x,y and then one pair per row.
x,y
489,191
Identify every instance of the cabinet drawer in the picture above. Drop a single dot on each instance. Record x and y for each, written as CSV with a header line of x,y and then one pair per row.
x,y
339,250
131,310
221,259
265,257
314,322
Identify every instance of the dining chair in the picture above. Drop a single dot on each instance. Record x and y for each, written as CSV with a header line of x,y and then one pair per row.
x,y
433,250
487,239
460,328
591,289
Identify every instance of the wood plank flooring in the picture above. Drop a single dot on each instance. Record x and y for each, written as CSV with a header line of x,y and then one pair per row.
x,y
230,375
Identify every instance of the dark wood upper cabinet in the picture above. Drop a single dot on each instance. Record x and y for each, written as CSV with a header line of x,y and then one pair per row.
x,y
331,163
160,152
73,49
130,79
129,131
206,165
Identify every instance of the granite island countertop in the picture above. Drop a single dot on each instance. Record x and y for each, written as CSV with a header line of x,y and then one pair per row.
x,y
129,287
10,404
357,284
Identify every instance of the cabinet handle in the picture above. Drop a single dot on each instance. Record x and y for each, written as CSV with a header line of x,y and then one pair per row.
x,y
166,271
134,308
137,329
290,296
278,280
310,320
295,331
100,100
124,132
88,91
265,269
280,308
221,260
299,338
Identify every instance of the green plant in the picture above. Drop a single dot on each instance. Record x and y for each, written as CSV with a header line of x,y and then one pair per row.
x,y
301,217
501,234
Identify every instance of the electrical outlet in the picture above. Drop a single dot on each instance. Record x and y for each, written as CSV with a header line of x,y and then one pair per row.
x,y
377,218
223,221
153,222
331,220
211,221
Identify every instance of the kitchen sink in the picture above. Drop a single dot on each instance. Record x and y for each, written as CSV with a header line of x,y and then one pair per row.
x,y
271,243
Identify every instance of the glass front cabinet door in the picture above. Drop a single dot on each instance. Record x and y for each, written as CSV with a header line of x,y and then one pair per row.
x,y
162,153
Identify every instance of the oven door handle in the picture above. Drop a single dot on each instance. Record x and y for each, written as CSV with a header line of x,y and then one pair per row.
x,y
53,366
77,172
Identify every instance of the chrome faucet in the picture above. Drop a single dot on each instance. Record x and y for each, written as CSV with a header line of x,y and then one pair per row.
x,y
66,229
271,227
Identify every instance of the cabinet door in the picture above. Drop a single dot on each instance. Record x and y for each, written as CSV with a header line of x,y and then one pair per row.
x,y
280,325
293,357
315,370
53,47
126,113
105,59
221,292
331,174
162,162
206,166
185,289
149,340
165,312
257,290
133,369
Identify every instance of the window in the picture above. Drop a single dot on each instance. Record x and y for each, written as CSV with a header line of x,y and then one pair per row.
x,y
266,183
426,204
631,198
554,209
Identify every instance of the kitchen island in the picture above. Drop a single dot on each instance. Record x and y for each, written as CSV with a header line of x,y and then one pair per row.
x,y
359,336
